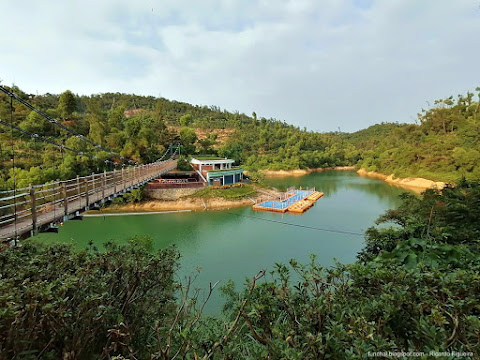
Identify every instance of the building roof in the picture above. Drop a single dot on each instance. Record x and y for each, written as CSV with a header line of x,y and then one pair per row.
x,y
225,172
203,160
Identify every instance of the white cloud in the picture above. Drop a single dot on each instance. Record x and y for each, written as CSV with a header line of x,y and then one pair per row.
x,y
322,65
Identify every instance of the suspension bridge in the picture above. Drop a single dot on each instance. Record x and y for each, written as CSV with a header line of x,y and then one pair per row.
x,y
26,211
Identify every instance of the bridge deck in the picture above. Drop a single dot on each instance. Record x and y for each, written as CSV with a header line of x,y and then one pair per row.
x,y
62,200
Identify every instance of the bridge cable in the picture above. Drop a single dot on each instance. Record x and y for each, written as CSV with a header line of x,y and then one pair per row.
x,y
44,139
14,176
12,95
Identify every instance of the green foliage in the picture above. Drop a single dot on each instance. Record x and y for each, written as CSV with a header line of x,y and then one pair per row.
x,y
36,124
277,146
415,288
186,120
24,178
58,303
134,196
188,139
446,216
183,164
66,104
444,146
207,143
405,294
116,118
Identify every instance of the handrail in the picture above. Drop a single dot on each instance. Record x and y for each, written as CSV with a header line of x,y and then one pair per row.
x,y
41,204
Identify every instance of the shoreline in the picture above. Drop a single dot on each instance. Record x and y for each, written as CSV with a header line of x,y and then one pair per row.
x,y
186,204
96,213
412,183
178,205
191,204
301,172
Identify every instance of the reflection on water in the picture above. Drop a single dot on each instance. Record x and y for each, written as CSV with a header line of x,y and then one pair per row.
x,y
237,243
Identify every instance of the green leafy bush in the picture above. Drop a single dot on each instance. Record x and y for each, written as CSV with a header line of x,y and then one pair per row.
x,y
59,303
414,288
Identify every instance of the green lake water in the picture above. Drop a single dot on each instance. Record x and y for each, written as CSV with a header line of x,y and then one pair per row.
x,y
237,243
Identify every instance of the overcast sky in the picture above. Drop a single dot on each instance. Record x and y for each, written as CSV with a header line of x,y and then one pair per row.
x,y
322,64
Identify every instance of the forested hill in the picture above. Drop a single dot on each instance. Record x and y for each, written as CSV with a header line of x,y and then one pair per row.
x,y
137,127
444,145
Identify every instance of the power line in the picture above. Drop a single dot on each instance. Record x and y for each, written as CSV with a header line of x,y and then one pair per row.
x,y
298,225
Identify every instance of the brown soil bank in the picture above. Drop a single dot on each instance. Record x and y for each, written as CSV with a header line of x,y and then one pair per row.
x,y
416,184
301,172
196,203
181,204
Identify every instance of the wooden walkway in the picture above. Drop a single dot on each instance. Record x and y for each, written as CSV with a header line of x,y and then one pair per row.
x,y
26,211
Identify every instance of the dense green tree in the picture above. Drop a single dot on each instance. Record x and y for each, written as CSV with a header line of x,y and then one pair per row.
x,y
97,121
207,143
116,118
36,124
186,120
188,139
66,104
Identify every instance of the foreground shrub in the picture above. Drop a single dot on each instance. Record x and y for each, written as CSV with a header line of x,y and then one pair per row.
x,y
59,303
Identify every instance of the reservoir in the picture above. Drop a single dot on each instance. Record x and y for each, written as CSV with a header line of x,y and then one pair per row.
x,y
237,243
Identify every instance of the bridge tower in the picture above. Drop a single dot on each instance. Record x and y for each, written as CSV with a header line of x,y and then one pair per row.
x,y
174,149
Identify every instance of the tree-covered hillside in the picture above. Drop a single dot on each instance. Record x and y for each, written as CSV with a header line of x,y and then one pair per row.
x,y
140,128
443,146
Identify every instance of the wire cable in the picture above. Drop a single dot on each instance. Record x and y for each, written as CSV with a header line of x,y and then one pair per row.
x,y
44,139
12,95
13,175
298,225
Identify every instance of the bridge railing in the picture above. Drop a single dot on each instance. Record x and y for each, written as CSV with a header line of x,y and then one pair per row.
x,y
24,208
14,205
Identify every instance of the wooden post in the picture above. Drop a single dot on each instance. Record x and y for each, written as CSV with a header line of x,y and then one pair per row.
x,y
134,175
65,199
86,192
123,178
114,181
103,184
78,190
33,209
94,186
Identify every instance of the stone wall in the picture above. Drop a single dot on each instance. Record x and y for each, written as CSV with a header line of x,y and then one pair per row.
x,y
169,194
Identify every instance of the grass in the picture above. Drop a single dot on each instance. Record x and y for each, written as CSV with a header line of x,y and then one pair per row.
x,y
229,193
